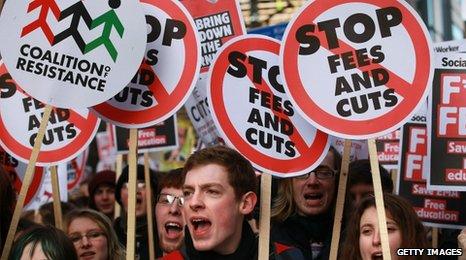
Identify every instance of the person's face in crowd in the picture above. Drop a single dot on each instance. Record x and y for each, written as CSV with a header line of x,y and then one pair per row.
x,y
88,239
141,209
213,213
104,199
359,191
369,236
38,254
169,217
314,195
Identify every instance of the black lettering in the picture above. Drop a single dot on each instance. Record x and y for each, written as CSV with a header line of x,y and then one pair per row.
x,y
388,17
304,38
7,87
239,70
369,28
174,29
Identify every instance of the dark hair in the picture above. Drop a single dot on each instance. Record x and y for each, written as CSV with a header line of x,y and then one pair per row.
x,y
171,179
47,214
55,244
140,176
241,175
105,177
413,234
360,172
7,204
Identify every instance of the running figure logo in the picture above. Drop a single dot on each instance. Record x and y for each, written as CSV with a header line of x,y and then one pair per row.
x,y
78,12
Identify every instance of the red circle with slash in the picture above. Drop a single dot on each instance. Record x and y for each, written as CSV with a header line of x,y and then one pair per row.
x,y
313,85
17,126
232,109
172,77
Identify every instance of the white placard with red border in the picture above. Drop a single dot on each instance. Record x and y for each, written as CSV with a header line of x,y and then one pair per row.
x,y
356,69
72,53
68,131
253,113
16,170
167,74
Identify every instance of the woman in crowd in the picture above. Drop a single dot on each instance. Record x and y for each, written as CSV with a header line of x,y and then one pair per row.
x,y
404,228
302,213
43,243
92,235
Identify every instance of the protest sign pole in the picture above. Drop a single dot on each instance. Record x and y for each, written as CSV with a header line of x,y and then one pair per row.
x,y
26,182
57,213
264,221
434,237
150,223
340,204
132,178
118,168
379,198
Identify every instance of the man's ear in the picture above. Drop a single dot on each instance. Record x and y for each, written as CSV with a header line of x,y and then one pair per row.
x,y
248,202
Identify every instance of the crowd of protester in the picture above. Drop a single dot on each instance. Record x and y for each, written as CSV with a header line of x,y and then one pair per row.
x,y
208,210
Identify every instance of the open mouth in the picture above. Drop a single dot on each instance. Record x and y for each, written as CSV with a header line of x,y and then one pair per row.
x,y
313,196
200,225
173,229
377,256
87,254
138,200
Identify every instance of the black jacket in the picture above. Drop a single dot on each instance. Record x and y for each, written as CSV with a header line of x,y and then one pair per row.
x,y
247,250
301,232
142,237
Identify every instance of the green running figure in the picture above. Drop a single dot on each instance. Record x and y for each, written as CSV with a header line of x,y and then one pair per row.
x,y
109,19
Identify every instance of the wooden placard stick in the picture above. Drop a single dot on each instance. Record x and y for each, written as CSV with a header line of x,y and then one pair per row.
x,y
57,213
118,169
264,221
150,224
340,204
132,179
26,182
382,219
435,237
1,5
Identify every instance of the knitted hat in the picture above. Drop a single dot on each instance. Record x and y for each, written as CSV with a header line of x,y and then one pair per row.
x,y
140,177
106,177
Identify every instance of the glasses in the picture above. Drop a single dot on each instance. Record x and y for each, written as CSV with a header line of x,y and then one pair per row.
x,y
170,199
91,236
321,174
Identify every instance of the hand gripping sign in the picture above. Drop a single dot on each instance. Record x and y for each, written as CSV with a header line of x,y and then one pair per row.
x,y
253,113
167,74
356,69
68,132
72,53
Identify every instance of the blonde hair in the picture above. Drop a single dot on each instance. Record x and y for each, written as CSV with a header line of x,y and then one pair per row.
x,y
283,205
114,249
